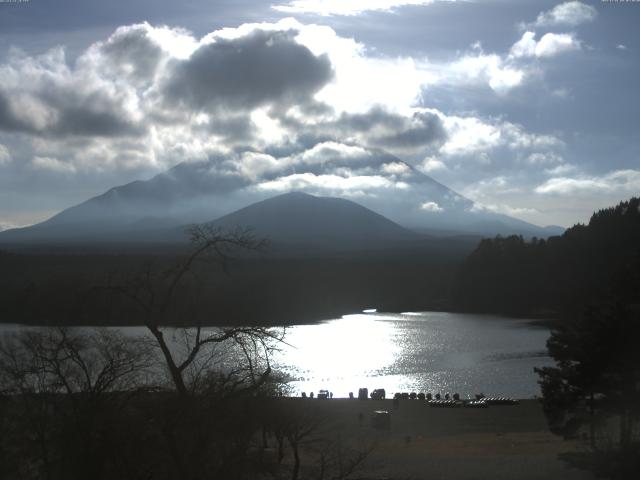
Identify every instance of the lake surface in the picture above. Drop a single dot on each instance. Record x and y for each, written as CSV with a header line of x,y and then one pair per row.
x,y
410,352
416,352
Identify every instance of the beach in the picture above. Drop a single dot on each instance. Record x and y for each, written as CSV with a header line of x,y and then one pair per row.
x,y
498,442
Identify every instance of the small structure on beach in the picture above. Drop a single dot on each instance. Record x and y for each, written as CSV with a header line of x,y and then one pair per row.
x,y
324,394
378,394
381,420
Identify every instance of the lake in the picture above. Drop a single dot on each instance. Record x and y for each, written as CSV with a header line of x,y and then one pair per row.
x,y
417,352
410,352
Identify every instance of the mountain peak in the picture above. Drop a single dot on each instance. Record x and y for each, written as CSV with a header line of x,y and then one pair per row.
x,y
304,219
295,194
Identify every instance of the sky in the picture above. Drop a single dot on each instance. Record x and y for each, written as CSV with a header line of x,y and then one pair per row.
x,y
528,108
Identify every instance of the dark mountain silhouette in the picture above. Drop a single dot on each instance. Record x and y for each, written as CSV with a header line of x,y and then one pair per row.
x,y
303,220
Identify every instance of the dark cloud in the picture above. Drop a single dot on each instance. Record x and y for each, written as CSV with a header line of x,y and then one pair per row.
x,y
377,128
236,129
260,69
389,130
131,52
9,120
85,121
66,114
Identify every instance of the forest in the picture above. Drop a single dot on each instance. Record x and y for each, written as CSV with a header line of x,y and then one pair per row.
x,y
59,287
587,265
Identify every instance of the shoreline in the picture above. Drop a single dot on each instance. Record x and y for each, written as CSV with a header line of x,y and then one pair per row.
x,y
541,320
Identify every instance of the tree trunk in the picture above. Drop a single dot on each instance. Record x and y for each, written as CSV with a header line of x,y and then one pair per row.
x,y
296,461
264,437
592,426
280,440
625,430
174,371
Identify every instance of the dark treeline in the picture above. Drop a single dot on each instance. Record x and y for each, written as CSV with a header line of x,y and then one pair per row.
x,y
587,265
77,289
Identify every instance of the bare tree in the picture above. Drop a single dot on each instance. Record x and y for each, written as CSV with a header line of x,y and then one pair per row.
x,y
209,427
62,387
338,460
192,351
318,447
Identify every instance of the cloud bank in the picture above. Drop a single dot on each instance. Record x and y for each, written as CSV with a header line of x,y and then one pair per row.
x,y
270,107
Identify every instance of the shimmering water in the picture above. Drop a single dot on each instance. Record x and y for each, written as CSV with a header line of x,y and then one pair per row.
x,y
420,352
413,352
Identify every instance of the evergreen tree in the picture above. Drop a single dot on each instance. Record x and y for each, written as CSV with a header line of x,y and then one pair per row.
x,y
597,376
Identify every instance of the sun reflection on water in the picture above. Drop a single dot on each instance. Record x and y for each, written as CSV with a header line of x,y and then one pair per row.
x,y
414,351
339,352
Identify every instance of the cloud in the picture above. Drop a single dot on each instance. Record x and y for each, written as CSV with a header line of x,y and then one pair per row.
x,y
431,164
262,68
503,208
116,105
318,166
334,184
561,169
53,164
431,207
5,225
269,104
181,98
547,158
130,51
363,79
344,7
148,97
619,181
469,135
378,127
491,69
42,95
473,135
550,45
5,156
560,92
497,195
395,168
569,14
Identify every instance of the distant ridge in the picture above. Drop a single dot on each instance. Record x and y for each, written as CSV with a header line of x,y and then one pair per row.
x,y
146,211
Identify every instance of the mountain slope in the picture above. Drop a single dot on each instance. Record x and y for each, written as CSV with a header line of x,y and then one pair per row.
x,y
197,192
298,218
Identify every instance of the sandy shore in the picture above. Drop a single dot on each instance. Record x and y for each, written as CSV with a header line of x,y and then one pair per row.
x,y
499,442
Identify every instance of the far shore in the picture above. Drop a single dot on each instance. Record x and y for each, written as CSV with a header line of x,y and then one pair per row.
x,y
546,320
